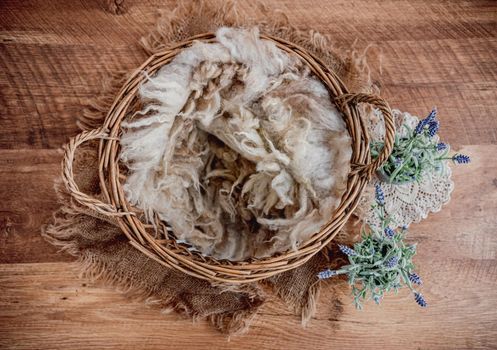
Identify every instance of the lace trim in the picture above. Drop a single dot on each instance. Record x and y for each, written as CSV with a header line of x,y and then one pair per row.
x,y
406,203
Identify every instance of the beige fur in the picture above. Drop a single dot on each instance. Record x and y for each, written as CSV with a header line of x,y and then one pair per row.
x,y
238,148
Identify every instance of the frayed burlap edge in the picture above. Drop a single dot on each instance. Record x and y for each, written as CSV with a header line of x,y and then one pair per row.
x,y
65,232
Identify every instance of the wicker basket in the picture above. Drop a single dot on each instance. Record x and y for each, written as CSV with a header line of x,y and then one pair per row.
x,y
162,246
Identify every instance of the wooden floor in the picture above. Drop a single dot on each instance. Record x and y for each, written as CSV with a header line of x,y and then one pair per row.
x,y
53,57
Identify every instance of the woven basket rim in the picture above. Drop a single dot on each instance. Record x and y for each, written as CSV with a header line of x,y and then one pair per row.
x,y
176,255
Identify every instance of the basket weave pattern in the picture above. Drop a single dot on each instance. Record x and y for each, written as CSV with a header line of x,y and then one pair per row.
x,y
162,246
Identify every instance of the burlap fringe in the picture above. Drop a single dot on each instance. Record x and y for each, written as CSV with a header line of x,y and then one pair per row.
x,y
195,17
116,7
94,269
93,114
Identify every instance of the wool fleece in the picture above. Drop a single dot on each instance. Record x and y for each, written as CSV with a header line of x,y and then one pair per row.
x,y
238,148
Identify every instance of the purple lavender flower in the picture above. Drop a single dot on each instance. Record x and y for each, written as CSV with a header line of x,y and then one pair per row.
x,y
461,159
433,128
392,262
441,146
418,297
389,232
432,115
414,278
326,274
422,123
420,127
398,161
346,250
380,196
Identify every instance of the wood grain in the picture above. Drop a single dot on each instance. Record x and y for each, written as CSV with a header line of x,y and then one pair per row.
x,y
54,56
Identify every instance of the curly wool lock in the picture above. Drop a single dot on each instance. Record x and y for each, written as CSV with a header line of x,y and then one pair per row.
x,y
238,148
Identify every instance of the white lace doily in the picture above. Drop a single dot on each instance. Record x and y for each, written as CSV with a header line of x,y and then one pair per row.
x,y
411,202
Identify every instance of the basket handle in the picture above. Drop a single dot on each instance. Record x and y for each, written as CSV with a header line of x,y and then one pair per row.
x,y
68,174
369,169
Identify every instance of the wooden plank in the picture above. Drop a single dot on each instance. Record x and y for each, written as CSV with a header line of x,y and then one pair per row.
x,y
26,185
44,306
54,56
37,298
28,200
48,68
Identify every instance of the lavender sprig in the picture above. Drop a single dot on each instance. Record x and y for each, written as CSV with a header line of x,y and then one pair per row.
x,y
392,262
415,153
346,250
379,195
378,265
423,122
433,128
461,159
418,297
389,232
414,278
441,146
327,274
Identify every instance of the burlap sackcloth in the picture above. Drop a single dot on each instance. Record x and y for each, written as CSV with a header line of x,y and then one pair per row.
x,y
103,250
